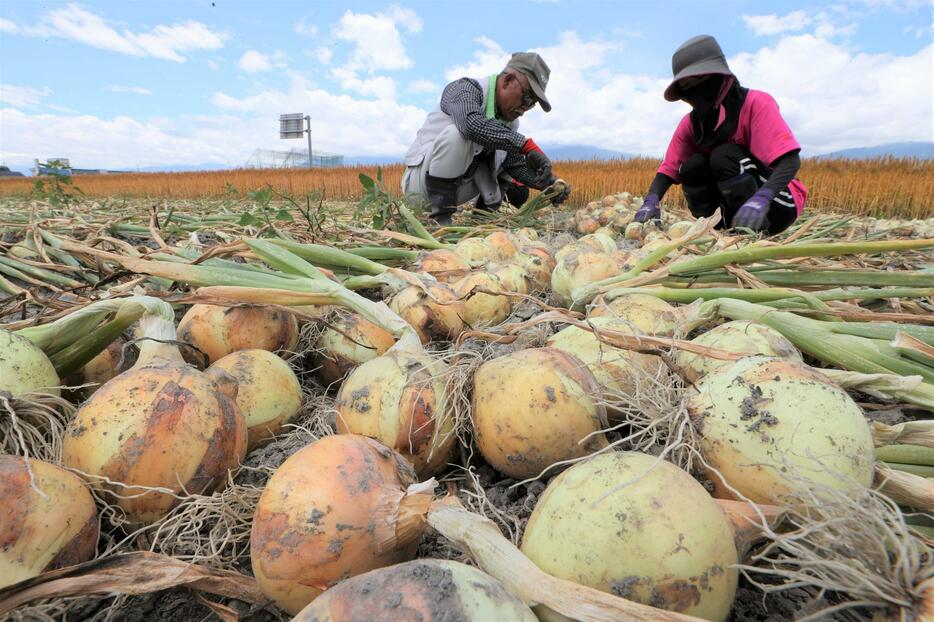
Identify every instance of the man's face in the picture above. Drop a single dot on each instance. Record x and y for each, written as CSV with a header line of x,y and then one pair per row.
x,y
514,97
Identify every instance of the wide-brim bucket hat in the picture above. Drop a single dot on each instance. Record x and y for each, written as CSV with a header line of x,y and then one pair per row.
x,y
698,56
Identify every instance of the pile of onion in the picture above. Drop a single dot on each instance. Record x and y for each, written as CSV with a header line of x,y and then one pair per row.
x,y
533,408
268,391
48,521
161,424
770,426
427,590
638,527
339,507
218,331
400,398
349,341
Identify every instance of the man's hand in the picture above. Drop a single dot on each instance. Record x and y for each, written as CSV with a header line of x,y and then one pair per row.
x,y
754,212
650,210
539,163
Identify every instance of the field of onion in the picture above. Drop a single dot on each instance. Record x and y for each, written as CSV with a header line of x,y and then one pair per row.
x,y
222,399
882,187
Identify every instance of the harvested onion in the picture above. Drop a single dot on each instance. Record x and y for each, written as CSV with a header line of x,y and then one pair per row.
x,y
24,368
739,336
336,508
432,309
218,331
646,314
481,308
349,340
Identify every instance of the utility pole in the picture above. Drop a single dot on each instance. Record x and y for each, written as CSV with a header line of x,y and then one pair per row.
x,y
311,162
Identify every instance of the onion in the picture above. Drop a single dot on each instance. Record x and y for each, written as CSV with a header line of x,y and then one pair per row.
x,y
538,268
428,590
514,277
736,336
647,314
527,234
634,231
770,426
578,268
349,341
476,251
400,399
680,228
587,225
443,264
532,408
482,309
433,310
638,527
218,331
24,368
268,391
112,361
505,243
334,509
161,424
615,369
602,240
40,532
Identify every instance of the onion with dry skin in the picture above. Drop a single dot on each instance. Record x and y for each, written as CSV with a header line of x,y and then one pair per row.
x,y
638,527
443,264
476,251
349,340
770,426
581,267
339,507
161,424
400,399
505,243
426,590
534,408
218,331
268,391
649,315
112,361
482,308
46,523
739,336
514,277
432,309
538,268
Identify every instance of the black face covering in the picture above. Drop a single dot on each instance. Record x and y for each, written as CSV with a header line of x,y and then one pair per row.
x,y
705,113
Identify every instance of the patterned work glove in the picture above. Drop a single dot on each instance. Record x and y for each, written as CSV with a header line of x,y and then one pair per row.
x,y
754,212
539,163
649,210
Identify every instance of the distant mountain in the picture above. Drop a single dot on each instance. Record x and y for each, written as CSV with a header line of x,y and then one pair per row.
x,y
584,152
917,149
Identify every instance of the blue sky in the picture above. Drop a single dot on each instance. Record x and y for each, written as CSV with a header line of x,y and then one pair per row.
x,y
125,84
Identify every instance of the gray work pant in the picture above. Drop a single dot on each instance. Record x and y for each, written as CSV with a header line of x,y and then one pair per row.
x,y
450,156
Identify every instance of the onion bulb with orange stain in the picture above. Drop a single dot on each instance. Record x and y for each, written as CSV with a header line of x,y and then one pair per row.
x,y
217,331
401,400
432,309
339,507
48,522
428,590
268,391
160,424
485,299
505,243
348,341
443,264
533,408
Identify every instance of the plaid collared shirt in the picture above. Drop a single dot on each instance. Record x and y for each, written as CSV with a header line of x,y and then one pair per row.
x,y
462,100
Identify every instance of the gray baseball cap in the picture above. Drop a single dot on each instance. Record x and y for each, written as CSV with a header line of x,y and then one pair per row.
x,y
697,56
535,69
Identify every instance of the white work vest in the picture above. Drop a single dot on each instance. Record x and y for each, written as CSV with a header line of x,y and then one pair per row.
x,y
437,120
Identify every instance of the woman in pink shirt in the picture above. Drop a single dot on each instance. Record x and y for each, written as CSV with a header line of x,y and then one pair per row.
x,y
733,150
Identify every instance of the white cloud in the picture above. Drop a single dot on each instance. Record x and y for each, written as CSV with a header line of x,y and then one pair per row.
x,y
920,31
304,28
376,40
489,58
138,90
773,24
23,96
323,55
406,18
382,87
424,86
255,62
165,42
8,26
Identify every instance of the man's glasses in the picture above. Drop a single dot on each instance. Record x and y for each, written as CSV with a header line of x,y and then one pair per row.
x,y
528,97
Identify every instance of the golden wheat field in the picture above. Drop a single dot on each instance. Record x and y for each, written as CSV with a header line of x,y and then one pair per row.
x,y
893,187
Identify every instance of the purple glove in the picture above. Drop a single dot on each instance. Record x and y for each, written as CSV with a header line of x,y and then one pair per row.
x,y
754,212
649,210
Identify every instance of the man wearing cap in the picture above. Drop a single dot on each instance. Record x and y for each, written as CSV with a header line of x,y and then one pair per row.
x,y
733,150
469,146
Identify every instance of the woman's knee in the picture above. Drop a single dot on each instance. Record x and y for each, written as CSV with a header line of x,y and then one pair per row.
x,y
729,160
695,171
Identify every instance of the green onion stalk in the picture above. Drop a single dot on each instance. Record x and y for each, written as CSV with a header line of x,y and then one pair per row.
x,y
854,346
